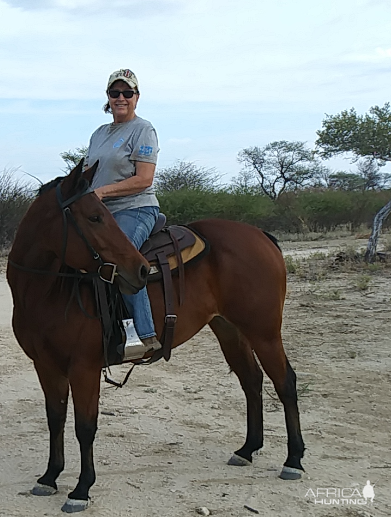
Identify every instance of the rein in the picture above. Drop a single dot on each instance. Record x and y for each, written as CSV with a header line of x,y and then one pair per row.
x,y
106,311
67,215
76,274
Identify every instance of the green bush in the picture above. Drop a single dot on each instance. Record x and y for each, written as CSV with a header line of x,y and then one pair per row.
x,y
326,210
184,206
293,212
15,198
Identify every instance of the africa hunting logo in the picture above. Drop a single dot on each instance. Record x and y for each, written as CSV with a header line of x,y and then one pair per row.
x,y
342,496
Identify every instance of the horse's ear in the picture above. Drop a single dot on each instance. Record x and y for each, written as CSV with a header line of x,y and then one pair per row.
x,y
72,181
90,173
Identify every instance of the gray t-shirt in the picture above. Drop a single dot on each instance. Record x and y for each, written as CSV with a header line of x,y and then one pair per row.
x,y
118,147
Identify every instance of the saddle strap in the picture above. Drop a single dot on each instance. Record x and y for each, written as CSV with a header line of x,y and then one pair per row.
x,y
111,310
181,268
170,318
104,313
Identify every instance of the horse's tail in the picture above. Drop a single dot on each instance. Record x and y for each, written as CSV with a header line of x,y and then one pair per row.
x,y
273,239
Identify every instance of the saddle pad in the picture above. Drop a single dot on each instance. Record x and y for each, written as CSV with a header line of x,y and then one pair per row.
x,y
196,250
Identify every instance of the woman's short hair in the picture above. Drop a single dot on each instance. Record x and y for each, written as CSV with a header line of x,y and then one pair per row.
x,y
106,108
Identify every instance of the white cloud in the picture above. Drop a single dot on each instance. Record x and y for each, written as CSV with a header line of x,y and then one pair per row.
x,y
132,8
218,58
200,51
57,59
376,55
384,52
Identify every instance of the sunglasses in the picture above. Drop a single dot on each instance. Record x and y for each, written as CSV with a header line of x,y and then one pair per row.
x,y
128,94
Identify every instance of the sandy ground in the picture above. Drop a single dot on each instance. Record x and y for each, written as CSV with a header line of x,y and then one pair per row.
x,y
164,439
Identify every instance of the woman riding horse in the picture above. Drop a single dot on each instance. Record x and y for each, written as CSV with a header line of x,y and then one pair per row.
x,y
69,237
127,153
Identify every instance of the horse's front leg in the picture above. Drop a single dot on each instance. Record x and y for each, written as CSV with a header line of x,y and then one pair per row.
x,y
56,390
85,385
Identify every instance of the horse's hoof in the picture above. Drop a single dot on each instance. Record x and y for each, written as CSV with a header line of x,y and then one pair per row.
x,y
238,461
74,505
45,490
290,473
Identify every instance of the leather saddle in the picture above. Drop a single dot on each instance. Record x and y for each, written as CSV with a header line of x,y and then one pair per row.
x,y
167,250
168,241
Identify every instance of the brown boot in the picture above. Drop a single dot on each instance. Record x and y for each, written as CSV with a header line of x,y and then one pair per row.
x,y
152,343
138,351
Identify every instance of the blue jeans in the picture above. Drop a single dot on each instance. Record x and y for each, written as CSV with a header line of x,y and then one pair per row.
x,y
137,224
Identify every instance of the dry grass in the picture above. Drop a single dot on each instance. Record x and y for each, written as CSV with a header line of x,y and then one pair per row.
x,y
320,265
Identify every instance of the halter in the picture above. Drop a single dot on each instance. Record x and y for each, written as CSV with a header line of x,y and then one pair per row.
x,y
67,214
106,309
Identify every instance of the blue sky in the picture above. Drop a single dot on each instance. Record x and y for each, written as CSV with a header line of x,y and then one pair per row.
x,y
215,76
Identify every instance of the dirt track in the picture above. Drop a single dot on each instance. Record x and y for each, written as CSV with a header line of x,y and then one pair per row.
x,y
164,439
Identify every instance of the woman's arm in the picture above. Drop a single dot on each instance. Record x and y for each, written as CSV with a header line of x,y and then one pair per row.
x,y
140,181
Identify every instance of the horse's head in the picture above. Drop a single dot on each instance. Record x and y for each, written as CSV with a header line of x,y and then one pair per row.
x,y
90,238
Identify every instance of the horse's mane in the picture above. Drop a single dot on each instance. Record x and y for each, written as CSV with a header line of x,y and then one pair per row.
x,y
82,185
50,184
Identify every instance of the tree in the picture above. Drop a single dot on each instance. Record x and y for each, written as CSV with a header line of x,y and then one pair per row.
x,y
281,166
381,216
72,158
186,175
367,177
15,198
244,183
367,136
362,135
341,180
369,171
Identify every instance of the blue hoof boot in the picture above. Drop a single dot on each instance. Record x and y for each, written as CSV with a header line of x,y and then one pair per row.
x,y
43,490
74,505
289,473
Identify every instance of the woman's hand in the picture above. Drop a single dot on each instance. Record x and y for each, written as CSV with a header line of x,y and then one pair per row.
x,y
99,192
133,185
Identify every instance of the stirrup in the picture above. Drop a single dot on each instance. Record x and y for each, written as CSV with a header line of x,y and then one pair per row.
x,y
134,348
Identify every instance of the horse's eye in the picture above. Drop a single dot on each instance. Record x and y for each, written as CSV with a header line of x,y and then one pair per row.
x,y
95,219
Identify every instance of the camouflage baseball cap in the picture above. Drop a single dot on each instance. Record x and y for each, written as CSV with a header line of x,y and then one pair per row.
x,y
125,75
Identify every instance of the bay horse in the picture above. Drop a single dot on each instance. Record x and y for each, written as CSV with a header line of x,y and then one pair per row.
x,y
238,289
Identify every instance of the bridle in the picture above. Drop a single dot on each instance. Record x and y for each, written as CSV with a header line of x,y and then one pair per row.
x,y
68,216
106,306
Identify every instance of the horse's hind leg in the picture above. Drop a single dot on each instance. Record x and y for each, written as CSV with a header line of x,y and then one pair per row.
x,y
85,385
276,365
56,389
240,358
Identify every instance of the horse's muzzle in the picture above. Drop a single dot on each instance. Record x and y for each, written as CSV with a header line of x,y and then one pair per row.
x,y
131,283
